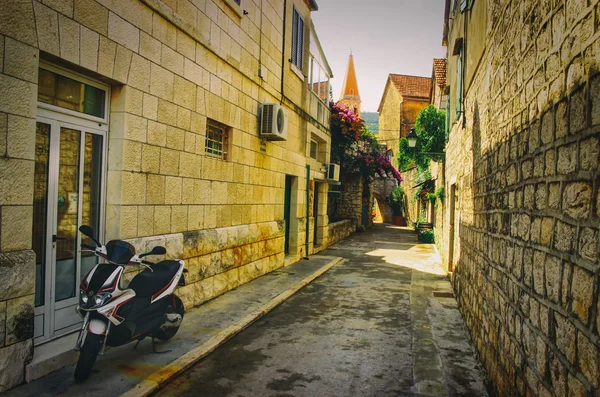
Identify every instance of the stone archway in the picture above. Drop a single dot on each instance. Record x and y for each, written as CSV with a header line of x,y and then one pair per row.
x,y
381,189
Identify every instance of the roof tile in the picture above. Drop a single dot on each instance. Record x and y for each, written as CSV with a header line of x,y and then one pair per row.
x,y
412,86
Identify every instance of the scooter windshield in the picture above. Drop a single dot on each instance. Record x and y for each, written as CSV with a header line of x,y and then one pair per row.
x,y
118,251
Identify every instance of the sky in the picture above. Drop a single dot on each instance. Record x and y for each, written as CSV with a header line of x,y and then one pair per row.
x,y
386,36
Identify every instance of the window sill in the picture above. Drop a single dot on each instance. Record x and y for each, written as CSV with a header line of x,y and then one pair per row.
x,y
297,71
234,7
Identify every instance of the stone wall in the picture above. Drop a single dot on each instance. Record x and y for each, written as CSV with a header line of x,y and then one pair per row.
x,y
349,205
524,163
220,259
338,231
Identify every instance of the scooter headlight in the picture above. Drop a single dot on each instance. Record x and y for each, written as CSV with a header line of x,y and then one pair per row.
x,y
84,297
98,300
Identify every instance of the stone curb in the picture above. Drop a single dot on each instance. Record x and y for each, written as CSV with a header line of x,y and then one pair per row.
x,y
159,378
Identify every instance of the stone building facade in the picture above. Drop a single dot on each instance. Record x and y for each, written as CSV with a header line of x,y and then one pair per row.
x,y
402,100
522,193
140,118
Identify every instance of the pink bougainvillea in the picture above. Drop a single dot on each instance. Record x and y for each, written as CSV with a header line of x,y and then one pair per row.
x,y
355,148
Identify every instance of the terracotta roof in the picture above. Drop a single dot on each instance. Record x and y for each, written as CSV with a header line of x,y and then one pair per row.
x,y
439,70
412,86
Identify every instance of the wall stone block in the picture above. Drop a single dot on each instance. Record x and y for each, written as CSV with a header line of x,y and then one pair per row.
x,y
588,359
19,319
565,337
577,117
589,152
567,159
15,228
553,278
564,236
582,292
11,374
93,15
17,274
550,161
577,199
17,21
595,98
576,388
123,32
588,243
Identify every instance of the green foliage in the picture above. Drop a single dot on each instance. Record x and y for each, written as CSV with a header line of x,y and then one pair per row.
x,y
430,128
395,201
422,176
431,196
356,148
439,194
426,235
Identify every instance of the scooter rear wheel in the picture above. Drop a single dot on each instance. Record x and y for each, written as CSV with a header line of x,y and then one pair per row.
x,y
87,356
168,333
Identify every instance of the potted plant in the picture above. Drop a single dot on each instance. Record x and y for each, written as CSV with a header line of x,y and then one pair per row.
x,y
426,236
395,202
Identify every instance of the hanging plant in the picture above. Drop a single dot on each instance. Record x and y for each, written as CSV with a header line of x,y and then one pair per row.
x,y
356,148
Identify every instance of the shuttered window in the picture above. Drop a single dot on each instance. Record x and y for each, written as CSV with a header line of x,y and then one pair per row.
x,y
297,39
459,83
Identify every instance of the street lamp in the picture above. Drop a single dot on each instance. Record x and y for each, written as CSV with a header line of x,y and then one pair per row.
x,y
412,138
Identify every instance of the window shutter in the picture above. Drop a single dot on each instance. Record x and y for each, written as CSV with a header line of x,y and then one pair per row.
x,y
297,39
294,35
300,41
459,83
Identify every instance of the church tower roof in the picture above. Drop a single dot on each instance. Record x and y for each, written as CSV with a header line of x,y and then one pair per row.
x,y
350,96
350,87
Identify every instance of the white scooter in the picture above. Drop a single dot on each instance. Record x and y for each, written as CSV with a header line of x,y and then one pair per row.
x,y
113,315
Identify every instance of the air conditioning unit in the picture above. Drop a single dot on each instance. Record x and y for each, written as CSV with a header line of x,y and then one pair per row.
x,y
333,172
273,122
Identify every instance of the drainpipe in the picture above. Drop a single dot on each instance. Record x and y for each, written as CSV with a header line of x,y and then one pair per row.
x,y
283,51
307,208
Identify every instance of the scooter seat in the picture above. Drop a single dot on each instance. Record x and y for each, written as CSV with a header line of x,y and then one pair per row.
x,y
148,283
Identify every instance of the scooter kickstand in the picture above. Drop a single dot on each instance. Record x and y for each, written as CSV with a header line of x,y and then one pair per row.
x,y
136,344
156,351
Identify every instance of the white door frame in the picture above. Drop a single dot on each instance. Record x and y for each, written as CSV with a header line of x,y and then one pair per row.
x,y
58,118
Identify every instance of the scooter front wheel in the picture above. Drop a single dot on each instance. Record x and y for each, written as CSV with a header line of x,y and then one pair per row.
x,y
87,356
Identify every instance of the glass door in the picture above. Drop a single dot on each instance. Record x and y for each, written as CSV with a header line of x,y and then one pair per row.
x,y
68,193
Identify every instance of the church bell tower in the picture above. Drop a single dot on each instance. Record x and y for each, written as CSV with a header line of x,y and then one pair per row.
x,y
350,96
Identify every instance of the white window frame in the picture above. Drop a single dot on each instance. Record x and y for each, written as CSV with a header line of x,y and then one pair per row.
x,y
81,79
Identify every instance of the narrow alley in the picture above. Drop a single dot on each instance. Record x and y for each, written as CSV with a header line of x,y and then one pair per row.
x,y
382,323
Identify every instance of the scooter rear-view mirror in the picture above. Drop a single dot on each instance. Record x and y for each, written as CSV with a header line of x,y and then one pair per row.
x,y
88,231
158,250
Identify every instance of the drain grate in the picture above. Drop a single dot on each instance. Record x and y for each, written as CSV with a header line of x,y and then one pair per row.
x,y
443,294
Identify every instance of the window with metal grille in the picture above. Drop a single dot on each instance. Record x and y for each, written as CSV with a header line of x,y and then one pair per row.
x,y
217,139
297,39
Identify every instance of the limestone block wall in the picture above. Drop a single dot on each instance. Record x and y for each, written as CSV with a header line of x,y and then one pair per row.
x,y
338,231
389,120
171,66
219,259
524,164
350,201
